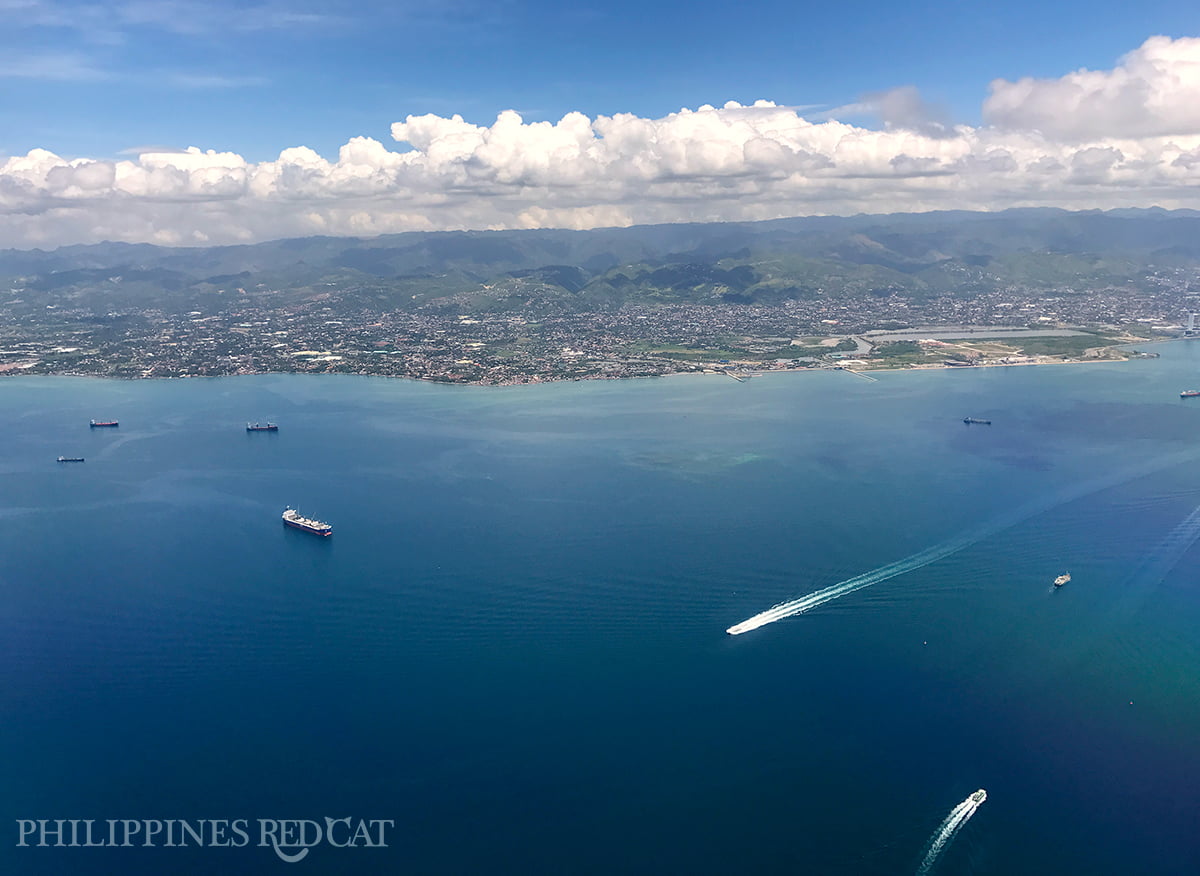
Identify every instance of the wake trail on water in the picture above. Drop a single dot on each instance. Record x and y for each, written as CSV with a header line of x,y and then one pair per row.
x,y
941,551
1170,550
958,816
1158,564
820,597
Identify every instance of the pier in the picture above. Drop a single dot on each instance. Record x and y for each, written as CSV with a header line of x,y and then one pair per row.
x,y
857,373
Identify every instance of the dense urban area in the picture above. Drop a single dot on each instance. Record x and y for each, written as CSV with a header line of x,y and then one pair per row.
x,y
859,293
439,343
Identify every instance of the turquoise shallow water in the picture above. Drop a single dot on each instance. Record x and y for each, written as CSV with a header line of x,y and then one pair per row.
x,y
514,643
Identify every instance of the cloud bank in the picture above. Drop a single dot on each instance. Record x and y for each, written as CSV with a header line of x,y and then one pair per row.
x,y
1129,136
1153,92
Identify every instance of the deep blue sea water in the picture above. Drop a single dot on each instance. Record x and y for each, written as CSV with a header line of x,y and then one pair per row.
x,y
514,644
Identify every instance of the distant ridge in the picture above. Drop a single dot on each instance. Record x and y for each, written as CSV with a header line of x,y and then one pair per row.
x,y
918,254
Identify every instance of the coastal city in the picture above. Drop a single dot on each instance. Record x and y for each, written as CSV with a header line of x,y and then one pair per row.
x,y
537,439
447,340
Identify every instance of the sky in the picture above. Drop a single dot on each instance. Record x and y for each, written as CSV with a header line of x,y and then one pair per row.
x,y
196,122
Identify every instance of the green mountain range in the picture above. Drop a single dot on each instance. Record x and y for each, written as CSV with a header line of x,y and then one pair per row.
x,y
924,255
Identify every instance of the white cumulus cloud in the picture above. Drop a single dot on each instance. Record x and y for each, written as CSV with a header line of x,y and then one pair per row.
x,y
1153,92
733,162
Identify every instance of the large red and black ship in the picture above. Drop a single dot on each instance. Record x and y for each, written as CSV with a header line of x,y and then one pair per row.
x,y
98,423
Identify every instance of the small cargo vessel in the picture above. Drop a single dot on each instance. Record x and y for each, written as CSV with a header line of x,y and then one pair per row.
x,y
1190,393
976,421
70,459
1062,579
294,519
95,424
261,427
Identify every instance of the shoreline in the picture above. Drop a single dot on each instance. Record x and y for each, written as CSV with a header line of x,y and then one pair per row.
x,y
705,372
870,371
641,368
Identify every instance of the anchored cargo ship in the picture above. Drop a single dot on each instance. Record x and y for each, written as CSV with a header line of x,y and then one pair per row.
x,y
976,421
96,423
70,459
294,519
1190,393
1062,579
261,427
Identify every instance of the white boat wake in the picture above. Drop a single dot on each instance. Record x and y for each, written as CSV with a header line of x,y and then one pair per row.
x,y
958,816
820,597
1170,550
941,551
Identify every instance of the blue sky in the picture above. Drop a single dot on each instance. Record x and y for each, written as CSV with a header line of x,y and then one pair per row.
x,y
194,122
89,79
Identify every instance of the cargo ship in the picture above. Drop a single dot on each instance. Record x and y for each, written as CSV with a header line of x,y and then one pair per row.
x,y
70,459
1062,579
294,519
1190,393
98,423
976,421
261,427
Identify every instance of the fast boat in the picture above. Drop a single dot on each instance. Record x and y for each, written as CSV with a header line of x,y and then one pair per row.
x,y
294,519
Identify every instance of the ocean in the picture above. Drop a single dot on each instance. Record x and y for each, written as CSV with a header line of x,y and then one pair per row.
x,y
512,653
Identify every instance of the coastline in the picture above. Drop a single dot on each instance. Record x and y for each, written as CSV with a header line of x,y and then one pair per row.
x,y
742,372
935,367
747,357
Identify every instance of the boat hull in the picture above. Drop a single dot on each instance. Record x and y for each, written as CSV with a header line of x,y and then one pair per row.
x,y
296,520
322,532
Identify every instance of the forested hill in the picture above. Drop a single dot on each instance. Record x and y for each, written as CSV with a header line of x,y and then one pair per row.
x,y
917,255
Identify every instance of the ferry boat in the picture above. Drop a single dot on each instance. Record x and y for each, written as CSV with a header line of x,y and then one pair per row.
x,y
1062,579
98,423
294,519
1190,393
261,427
976,421
70,459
